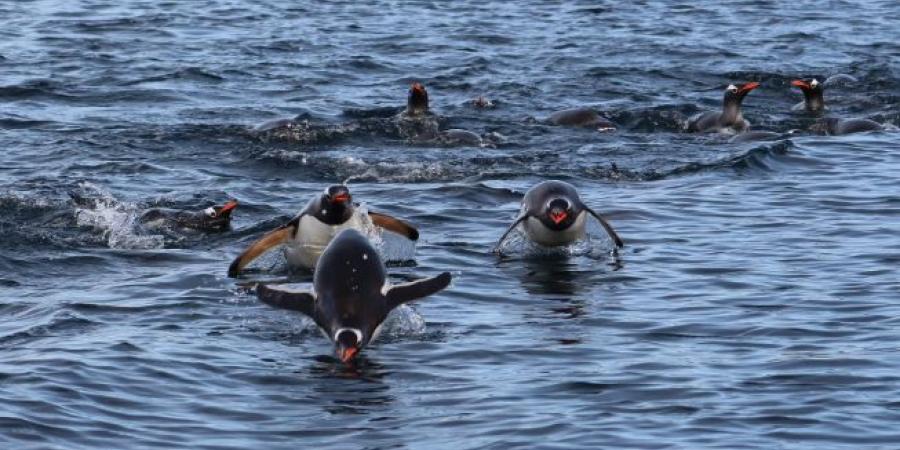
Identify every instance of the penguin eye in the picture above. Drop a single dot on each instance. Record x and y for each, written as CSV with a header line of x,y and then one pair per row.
x,y
732,88
814,82
210,212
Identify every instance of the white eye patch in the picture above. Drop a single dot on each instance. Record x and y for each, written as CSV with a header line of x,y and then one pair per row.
x,y
211,212
814,82
731,88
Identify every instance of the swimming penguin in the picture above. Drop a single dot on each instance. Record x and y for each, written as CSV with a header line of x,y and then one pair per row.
x,y
351,298
814,102
214,218
307,234
813,95
482,102
581,117
416,122
417,100
553,214
730,120
834,127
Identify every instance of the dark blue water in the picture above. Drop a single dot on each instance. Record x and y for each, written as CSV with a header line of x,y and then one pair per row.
x,y
756,303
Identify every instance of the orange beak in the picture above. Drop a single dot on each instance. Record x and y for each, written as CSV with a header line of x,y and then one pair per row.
x,y
418,87
747,87
800,84
228,206
340,198
348,353
558,217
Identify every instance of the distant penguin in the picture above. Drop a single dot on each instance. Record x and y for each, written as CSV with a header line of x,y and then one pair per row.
x,y
553,214
730,120
581,117
814,103
307,234
214,218
813,95
835,127
417,100
351,297
482,102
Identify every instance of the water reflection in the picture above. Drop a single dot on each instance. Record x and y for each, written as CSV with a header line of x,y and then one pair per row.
x,y
353,388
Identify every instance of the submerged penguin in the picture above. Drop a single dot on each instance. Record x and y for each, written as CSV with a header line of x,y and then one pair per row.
x,y
581,117
214,218
553,214
307,234
730,120
834,126
351,297
814,103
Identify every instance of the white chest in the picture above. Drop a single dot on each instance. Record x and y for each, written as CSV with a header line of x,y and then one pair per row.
x,y
538,233
313,236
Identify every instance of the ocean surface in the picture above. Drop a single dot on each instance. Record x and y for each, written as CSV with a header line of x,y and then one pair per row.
x,y
756,304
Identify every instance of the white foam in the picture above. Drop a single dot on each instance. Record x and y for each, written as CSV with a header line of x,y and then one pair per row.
x,y
115,219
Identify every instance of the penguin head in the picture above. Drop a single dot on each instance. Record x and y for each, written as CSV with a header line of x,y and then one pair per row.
x,y
353,325
735,93
218,216
813,93
335,205
417,100
348,342
558,214
808,85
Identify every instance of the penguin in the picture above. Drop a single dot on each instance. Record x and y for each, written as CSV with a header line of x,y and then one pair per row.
x,y
214,218
813,96
814,103
482,102
351,297
417,100
730,120
833,126
581,117
553,215
307,234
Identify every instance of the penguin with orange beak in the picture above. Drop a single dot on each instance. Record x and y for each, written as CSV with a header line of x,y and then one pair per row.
x,y
813,95
214,218
730,120
814,103
417,100
553,214
307,234
351,297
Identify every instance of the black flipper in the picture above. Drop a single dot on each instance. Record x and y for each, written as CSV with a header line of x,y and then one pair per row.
x,y
301,301
518,220
402,293
606,226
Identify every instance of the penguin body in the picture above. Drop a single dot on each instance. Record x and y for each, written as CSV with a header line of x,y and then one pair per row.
x,y
552,214
351,297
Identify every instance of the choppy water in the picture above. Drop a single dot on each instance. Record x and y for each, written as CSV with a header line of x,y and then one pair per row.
x,y
755,304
